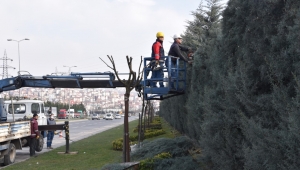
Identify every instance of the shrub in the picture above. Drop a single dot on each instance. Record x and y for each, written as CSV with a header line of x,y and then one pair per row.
x,y
133,138
148,163
151,126
177,147
154,133
154,129
118,144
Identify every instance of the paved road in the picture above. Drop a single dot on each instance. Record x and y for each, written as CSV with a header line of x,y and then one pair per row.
x,y
79,129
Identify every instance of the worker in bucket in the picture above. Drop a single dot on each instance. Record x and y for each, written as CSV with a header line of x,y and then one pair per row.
x,y
35,134
175,51
50,135
158,60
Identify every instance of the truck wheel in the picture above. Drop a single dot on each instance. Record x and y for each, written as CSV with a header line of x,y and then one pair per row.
x,y
10,157
39,144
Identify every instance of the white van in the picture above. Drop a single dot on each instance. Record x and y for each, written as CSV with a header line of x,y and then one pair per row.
x,y
26,108
71,113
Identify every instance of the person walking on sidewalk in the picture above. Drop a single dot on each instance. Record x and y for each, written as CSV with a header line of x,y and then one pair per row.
x,y
35,134
50,135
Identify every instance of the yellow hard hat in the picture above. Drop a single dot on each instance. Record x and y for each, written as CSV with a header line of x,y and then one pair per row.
x,y
159,34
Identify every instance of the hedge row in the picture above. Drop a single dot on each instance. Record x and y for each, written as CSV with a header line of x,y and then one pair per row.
x,y
151,126
118,144
154,130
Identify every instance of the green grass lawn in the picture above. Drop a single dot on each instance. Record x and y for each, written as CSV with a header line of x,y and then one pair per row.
x,y
93,152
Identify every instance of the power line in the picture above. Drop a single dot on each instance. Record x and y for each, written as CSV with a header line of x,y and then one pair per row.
x,y
5,66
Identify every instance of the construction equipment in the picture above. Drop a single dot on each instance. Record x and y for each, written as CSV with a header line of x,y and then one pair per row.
x,y
84,80
105,80
160,93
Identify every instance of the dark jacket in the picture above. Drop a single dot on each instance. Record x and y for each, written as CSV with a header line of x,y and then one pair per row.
x,y
158,50
51,121
175,50
34,128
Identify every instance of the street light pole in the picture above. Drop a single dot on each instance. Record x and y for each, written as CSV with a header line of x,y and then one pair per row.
x,y
18,41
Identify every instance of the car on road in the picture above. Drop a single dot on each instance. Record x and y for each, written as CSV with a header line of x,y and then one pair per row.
x,y
109,116
118,116
95,116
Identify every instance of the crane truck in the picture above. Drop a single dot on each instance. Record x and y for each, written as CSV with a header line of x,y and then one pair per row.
x,y
14,115
15,127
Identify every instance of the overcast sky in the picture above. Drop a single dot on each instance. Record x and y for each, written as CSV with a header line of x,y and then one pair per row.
x,y
78,32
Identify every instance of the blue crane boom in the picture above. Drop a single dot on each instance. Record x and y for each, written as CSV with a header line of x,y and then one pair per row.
x,y
74,80
106,80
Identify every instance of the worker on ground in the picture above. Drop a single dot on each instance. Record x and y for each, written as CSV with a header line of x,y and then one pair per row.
x,y
158,60
50,135
176,51
35,134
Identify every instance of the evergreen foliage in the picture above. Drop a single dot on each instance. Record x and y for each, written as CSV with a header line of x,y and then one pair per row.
x,y
176,148
185,113
185,162
242,101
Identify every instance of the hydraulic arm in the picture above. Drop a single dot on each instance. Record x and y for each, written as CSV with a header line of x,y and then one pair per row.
x,y
74,80
175,75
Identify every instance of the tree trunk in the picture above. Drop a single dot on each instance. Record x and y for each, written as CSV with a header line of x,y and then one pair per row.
x,y
126,152
141,124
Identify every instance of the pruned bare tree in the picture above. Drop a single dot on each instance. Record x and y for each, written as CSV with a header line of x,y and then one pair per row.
x,y
133,80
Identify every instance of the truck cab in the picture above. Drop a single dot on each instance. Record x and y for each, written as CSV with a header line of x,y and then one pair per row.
x,y
62,114
25,109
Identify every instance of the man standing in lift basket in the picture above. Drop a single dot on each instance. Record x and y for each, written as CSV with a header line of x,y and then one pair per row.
x,y
175,51
35,134
158,60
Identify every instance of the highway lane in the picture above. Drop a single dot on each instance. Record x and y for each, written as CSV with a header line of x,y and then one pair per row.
x,y
79,129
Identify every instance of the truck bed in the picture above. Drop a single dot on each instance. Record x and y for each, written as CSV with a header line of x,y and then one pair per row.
x,y
14,130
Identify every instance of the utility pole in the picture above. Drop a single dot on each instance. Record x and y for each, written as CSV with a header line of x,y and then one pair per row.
x,y
5,66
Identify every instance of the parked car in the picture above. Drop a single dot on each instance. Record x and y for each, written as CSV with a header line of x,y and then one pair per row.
x,y
95,116
118,116
109,116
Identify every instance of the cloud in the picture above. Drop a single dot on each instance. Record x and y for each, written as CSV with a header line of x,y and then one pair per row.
x,y
76,32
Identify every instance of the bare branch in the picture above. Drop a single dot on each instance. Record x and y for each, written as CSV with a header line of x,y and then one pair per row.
x,y
113,67
140,75
106,64
133,80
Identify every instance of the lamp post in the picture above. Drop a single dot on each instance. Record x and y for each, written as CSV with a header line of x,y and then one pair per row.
x,y
69,71
18,54
18,50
